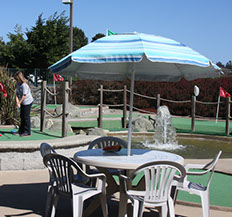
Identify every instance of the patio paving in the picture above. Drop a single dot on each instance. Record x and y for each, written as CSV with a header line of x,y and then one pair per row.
x,y
23,193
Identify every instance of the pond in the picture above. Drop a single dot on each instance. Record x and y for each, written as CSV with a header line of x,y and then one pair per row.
x,y
197,148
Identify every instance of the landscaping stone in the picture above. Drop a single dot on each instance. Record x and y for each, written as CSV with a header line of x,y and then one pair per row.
x,y
152,119
141,124
35,122
58,127
73,111
80,132
49,123
97,131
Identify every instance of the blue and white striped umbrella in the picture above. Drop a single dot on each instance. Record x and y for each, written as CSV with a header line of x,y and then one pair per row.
x,y
139,57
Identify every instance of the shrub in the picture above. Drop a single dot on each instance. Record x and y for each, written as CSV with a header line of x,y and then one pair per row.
x,y
8,114
86,93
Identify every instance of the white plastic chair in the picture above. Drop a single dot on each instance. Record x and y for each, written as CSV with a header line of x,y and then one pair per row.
x,y
159,176
107,141
199,189
45,149
102,142
62,169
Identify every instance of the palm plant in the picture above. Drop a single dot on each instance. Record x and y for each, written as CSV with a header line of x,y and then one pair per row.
x,y
8,112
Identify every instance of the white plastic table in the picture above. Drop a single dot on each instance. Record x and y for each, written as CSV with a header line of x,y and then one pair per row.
x,y
119,160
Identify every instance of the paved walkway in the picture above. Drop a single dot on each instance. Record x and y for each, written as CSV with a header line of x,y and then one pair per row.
x,y
23,193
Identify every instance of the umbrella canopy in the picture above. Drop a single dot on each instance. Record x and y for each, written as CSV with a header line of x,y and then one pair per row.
x,y
139,57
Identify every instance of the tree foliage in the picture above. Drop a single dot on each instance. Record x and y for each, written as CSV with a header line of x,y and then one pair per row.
x,y
97,36
45,43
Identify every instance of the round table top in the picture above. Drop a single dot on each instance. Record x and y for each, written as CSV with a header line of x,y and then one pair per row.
x,y
120,160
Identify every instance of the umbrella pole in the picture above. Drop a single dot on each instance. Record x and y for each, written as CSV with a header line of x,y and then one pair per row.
x,y
130,112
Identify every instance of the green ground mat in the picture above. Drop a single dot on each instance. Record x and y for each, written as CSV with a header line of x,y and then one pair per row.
x,y
220,189
36,134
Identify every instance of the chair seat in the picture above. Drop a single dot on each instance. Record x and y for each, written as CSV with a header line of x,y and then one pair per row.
x,y
84,190
77,179
139,195
196,186
111,171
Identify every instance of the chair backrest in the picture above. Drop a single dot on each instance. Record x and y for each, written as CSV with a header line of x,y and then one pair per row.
x,y
107,141
159,176
45,148
62,169
211,167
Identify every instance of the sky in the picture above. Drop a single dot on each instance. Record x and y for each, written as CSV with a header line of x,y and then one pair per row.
x,y
203,25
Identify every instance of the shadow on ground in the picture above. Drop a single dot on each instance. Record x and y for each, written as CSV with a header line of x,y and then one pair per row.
x,y
31,198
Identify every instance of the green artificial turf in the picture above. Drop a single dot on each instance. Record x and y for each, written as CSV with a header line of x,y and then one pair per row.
x,y
220,189
36,134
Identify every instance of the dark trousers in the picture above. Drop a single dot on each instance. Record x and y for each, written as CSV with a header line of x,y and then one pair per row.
x,y
25,126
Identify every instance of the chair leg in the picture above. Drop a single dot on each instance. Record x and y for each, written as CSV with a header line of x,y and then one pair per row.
x,y
205,204
164,210
171,208
55,203
77,206
138,208
49,202
104,205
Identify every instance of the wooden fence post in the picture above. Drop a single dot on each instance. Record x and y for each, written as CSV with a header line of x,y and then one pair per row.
x,y
65,110
158,101
43,105
228,105
193,113
70,89
100,108
124,107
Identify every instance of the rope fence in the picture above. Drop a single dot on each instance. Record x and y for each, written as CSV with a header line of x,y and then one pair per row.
x,y
44,111
193,102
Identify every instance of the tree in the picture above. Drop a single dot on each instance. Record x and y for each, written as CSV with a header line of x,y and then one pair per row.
x,y
46,43
50,40
97,36
17,49
79,38
229,65
3,53
219,64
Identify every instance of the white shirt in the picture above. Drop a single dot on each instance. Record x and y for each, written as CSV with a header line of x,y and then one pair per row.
x,y
24,89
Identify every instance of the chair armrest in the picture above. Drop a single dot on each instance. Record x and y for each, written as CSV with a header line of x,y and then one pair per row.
x,y
124,182
195,166
102,181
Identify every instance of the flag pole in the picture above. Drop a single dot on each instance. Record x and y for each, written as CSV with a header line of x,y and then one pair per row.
x,y
217,108
54,87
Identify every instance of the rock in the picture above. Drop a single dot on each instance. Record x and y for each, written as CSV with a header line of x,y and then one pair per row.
x,y
80,132
49,123
97,131
73,111
35,122
58,127
141,123
152,119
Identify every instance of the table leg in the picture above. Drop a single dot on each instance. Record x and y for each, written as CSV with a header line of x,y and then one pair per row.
x,y
112,187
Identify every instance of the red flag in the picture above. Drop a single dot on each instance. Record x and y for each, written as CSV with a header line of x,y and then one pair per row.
x,y
2,89
57,77
223,93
